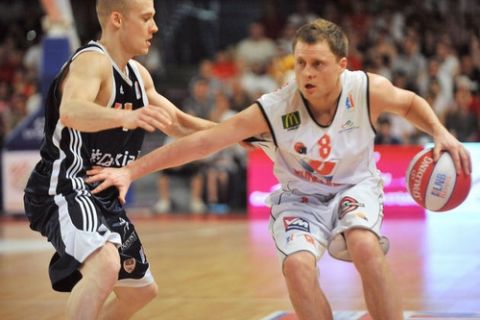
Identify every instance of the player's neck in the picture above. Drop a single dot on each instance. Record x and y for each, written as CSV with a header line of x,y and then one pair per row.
x,y
323,108
115,52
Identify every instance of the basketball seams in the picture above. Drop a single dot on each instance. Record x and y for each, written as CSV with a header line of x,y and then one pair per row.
x,y
415,165
437,203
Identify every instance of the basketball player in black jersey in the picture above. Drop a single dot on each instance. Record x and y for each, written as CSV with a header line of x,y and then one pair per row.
x,y
96,112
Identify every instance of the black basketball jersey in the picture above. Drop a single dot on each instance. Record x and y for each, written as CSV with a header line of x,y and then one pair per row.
x,y
67,153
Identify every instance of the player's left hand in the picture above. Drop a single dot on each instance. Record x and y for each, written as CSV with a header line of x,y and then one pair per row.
x,y
460,155
118,177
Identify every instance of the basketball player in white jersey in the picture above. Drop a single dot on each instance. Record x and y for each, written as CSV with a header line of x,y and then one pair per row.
x,y
96,113
318,131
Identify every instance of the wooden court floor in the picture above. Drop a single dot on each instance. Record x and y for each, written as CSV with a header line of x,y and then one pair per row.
x,y
226,268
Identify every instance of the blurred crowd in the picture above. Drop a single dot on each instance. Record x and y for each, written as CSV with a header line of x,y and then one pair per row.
x,y
431,47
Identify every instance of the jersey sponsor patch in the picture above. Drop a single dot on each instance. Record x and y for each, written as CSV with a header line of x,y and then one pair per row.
x,y
300,148
291,121
296,223
349,103
97,157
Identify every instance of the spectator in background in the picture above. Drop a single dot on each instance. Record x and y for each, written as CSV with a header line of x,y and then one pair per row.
x,y
437,99
222,165
446,55
256,48
59,21
444,80
284,42
303,13
258,80
205,74
401,127
410,61
200,104
239,97
224,67
384,132
272,19
460,120
469,68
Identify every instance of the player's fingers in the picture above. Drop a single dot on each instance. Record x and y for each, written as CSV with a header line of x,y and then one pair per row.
x,y
436,152
466,162
157,114
95,177
122,194
247,146
146,126
102,186
457,162
94,171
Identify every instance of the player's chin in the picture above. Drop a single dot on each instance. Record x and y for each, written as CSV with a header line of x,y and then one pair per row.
x,y
143,51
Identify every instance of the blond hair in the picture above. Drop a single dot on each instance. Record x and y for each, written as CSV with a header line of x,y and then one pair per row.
x,y
106,7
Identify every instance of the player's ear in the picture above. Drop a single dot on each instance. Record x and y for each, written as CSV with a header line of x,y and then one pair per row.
x,y
116,18
342,63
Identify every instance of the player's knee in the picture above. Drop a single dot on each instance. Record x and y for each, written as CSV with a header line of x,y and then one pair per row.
x,y
110,260
364,247
103,267
138,297
149,293
298,265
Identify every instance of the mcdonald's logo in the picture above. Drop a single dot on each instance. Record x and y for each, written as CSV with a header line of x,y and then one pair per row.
x,y
291,120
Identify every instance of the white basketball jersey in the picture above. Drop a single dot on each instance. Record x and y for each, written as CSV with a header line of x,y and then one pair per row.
x,y
312,158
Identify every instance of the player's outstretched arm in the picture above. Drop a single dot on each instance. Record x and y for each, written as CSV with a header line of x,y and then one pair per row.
x,y
81,87
182,123
198,145
385,97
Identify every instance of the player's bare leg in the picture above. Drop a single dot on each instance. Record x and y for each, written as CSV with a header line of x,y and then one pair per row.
x,y
381,292
128,300
99,275
308,300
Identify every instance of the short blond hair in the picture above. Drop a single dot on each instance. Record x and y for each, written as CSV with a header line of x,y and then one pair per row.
x,y
323,30
105,7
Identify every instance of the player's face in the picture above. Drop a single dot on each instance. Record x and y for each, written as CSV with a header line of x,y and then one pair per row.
x,y
317,69
139,26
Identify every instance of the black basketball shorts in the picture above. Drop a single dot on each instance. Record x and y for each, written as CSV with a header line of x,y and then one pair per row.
x,y
79,224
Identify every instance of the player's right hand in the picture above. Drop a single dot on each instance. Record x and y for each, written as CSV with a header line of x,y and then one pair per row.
x,y
117,177
148,118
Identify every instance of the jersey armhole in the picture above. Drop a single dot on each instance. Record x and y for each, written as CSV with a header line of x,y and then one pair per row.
x,y
268,122
367,96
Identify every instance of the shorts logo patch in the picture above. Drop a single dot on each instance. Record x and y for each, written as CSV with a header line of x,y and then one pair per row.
x,y
296,223
348,204
129,265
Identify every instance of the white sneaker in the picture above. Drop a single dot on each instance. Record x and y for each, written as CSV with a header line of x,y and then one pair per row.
x,y
197,206
162,206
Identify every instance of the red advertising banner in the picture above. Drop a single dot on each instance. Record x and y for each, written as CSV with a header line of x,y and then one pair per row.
x,y
392,161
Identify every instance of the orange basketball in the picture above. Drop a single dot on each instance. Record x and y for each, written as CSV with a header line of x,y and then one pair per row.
x,y
436,186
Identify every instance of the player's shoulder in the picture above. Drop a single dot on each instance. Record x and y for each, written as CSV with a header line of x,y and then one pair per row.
x,y
91,62
282,94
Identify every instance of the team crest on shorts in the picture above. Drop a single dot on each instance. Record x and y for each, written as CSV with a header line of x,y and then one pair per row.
x,y
296,223
348,204
129,265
